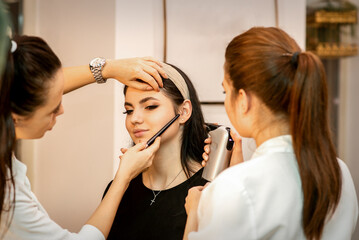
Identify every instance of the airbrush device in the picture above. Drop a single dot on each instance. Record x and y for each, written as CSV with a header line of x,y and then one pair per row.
x,y
221,151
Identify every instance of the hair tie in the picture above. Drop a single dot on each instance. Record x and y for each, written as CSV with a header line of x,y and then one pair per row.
x,y
294,59
13,46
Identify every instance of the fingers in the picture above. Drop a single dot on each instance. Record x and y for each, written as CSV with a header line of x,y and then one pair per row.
x,y
205,156
152,59
139,147
140,85
148,79
124,150
136,159
205,159
159,70
207,150
237,153
195,189
153,72
155,146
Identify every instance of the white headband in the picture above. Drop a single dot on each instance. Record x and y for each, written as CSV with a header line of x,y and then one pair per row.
x,y
177,79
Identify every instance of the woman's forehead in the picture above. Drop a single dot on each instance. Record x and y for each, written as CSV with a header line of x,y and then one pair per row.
x,y
136,95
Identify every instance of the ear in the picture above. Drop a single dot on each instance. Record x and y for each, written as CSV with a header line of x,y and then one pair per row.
x,y
185,111
244,101
16,118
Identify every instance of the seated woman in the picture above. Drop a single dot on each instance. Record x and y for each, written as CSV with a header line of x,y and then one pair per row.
x,y
153,205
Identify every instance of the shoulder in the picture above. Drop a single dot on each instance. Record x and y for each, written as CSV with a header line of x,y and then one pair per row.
x,y
19,170
344,169
137,180
196,179
264,169
342,223
348,188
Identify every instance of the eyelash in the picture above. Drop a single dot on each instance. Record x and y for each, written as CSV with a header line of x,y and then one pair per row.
x,y
151,107
128,112
56,110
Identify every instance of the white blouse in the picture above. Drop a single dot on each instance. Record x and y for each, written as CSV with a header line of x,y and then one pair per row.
x,y
262,199
31,221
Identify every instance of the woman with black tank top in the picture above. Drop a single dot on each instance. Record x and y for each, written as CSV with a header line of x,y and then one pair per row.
x,y
153,205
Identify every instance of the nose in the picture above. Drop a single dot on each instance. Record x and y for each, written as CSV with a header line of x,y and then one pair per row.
x,y
61,110
136,117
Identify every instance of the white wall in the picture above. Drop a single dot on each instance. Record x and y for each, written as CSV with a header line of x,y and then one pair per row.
x,y
70,167
349,115
199,31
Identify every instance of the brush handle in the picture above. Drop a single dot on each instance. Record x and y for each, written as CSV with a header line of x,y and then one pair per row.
x,y
152,139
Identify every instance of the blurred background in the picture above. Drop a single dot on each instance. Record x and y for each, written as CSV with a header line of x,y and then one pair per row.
x,y
70,167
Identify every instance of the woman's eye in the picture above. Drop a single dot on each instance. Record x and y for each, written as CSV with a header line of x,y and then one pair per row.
x,y
128,112
151,107
56,110
224,92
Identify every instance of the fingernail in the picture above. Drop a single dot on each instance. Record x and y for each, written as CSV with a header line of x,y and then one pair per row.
x,y
149,88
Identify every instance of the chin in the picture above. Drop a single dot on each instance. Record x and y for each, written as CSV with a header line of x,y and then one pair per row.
x,y
40,136
138,140
34,137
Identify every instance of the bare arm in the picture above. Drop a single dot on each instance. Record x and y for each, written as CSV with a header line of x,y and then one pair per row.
x,y
134,161
191,224
126,71
191,206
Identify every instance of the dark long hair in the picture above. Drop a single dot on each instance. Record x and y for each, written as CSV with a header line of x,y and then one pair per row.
x,y
23,89
194,131
270,64
6,146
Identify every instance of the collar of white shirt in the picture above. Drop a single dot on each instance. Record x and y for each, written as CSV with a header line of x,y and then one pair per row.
x,y
278,144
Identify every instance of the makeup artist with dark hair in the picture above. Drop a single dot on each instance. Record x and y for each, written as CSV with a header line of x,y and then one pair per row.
x,y
31,90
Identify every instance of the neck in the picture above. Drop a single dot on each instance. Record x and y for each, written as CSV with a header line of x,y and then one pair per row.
x,y
166,166
271,129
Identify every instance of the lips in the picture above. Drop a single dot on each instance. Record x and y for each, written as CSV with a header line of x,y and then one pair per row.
x,y
139,132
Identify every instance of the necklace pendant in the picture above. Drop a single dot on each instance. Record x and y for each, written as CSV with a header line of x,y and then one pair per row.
x,y
152,201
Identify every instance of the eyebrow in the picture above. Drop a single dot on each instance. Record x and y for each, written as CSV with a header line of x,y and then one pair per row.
x,y
142,101
57,107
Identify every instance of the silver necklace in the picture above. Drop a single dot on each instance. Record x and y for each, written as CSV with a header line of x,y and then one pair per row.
x,y
156,194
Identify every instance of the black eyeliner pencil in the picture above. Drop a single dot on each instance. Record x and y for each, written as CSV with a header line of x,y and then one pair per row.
x,y
152,139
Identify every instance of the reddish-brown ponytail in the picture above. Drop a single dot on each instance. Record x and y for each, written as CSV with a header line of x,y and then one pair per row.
x,y
319,168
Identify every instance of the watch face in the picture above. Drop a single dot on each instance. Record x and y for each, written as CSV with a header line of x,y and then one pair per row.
x,y
97,62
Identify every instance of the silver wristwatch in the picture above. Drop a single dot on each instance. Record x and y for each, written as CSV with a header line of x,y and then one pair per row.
x,y
96,66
